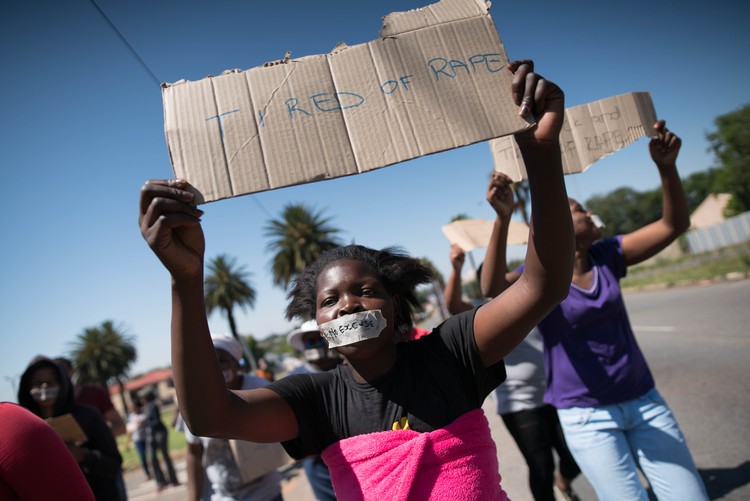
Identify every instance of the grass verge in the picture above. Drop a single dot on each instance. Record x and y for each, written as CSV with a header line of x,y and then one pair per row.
x,y
728,263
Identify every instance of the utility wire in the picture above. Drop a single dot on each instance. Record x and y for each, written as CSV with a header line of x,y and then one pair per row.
x,y
261,207
127,44
151,73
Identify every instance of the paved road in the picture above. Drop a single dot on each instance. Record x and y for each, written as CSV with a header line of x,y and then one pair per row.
x,y
294,486
697,343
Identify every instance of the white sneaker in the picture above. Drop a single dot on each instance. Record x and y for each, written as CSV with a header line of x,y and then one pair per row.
x,y
561,495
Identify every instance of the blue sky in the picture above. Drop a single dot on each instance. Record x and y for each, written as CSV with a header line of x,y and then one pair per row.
x,y
82,129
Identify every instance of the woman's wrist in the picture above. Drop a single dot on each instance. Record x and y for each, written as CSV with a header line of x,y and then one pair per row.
x,y
188,282
662,166
528,143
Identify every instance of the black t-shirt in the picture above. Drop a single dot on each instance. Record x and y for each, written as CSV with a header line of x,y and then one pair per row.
x,y
435,380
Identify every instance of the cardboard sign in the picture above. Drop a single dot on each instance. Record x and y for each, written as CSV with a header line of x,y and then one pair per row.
x,y
255,460
436,79
68,428
590,132
470,234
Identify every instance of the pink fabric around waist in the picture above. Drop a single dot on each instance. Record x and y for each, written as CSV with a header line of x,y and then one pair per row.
x,y
455,463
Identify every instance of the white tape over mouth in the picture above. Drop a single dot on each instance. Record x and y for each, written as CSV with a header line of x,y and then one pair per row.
x,y
353,328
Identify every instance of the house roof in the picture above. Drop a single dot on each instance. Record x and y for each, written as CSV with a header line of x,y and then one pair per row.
x,y
153,377
710,211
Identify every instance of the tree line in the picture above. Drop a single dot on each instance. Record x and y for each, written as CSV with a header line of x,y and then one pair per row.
x,y
625,209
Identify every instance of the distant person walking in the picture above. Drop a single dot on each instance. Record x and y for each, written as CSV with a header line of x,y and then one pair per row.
x,y
157,440
137,433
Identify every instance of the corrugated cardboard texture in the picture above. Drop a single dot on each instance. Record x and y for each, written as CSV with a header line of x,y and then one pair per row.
x,y
470,234
590,132
436,80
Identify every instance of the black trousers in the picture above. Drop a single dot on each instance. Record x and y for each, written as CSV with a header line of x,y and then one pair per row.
x,y
158,443
537,432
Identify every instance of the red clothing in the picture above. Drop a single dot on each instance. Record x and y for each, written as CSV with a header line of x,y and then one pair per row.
x,y
34,462
416,333
95,396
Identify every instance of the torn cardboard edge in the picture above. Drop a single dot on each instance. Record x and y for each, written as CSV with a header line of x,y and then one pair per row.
x,y
436,80
396,23
470,234
590,132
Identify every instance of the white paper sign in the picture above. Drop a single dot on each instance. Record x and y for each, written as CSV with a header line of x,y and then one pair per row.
x,y
470,234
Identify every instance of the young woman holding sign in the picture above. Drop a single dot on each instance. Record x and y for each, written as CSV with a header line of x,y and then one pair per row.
x,y
398,420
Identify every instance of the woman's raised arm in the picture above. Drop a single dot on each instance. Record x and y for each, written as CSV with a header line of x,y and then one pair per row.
x,y
501,324
171,226
645,242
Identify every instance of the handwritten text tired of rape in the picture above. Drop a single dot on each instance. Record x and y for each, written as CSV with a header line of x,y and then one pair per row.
x,y
439,69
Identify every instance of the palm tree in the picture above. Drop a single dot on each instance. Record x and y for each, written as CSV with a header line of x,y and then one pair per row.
x,y
298,239
103,353
523,196
438,285
437,277
227,286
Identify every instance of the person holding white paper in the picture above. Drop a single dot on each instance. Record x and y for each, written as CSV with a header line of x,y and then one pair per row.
x,y
385,429
612,415
212,458
46,390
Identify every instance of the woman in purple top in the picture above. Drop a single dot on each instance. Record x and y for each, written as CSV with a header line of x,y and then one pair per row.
x,y
613,417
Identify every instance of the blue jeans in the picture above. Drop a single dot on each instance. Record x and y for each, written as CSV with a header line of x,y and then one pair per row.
x,y
610,441
140,446
319,478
